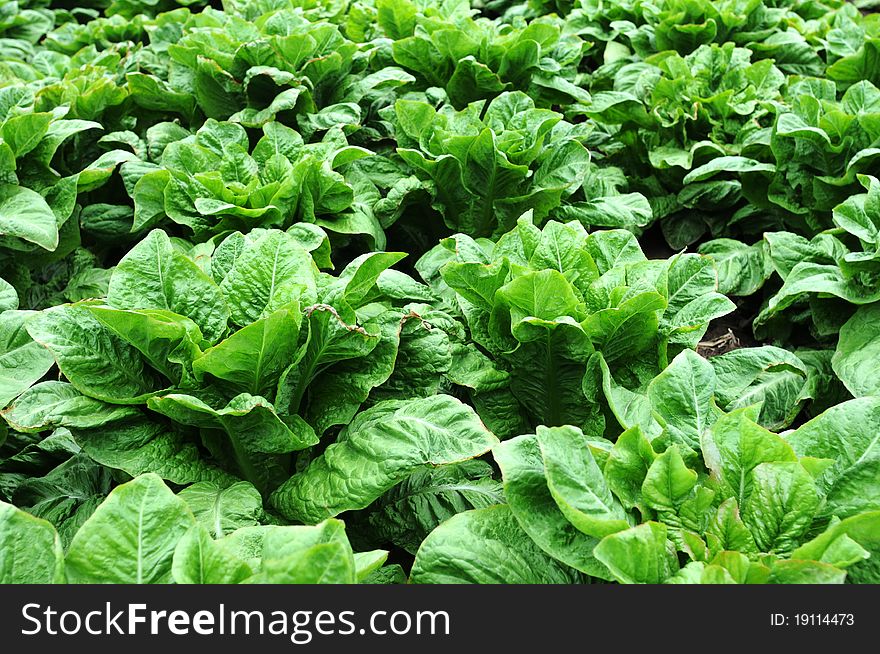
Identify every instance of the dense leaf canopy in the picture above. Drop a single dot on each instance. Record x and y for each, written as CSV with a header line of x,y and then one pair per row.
x,y
469,291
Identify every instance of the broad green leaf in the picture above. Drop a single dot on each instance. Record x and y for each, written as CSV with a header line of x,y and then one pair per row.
x,y
787,250
199,560
96,361
168,341
25,214
153,275
324,563
727,531
728,165
139,446
858,347
840,552
368,563
67,495
429,351
315,241
692,573
336,393
576,482
617,106
269,274
477,282
627,466
668,483
614,247
25,131
23,362
856,213
396,17
8,296
485,546
30,550
863,529
246,543
392,574
639,555
781,505
545,295
223,509
845,552
681,398
626,211
407,513
690,277
538,514
251,419
489,176
742,269
361,275
693,302
279,543
149,199
628,329
307,555
767,375
848,435
630,408
862,65
34,454
52,404
252,359
805,572
252,434
734,446
807,278
561,247
379,449
131,537
734,568
548,370
332,340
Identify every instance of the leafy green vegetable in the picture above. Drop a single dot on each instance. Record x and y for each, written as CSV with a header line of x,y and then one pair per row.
x,y
485,546
557,291
379,449
751,501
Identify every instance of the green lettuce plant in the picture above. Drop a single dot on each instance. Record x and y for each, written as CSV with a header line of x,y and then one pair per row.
x,y
553,307
144,533
502,291
685,126
212,181
236,351
471,60
486,165
714,498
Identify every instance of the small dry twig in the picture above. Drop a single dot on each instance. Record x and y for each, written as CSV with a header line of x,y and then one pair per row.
x,y
724,343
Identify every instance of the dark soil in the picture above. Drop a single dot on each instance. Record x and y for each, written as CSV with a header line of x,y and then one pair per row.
x,y
654,244
732,331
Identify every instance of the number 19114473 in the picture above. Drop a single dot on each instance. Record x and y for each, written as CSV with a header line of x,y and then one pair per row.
x,y
813,620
